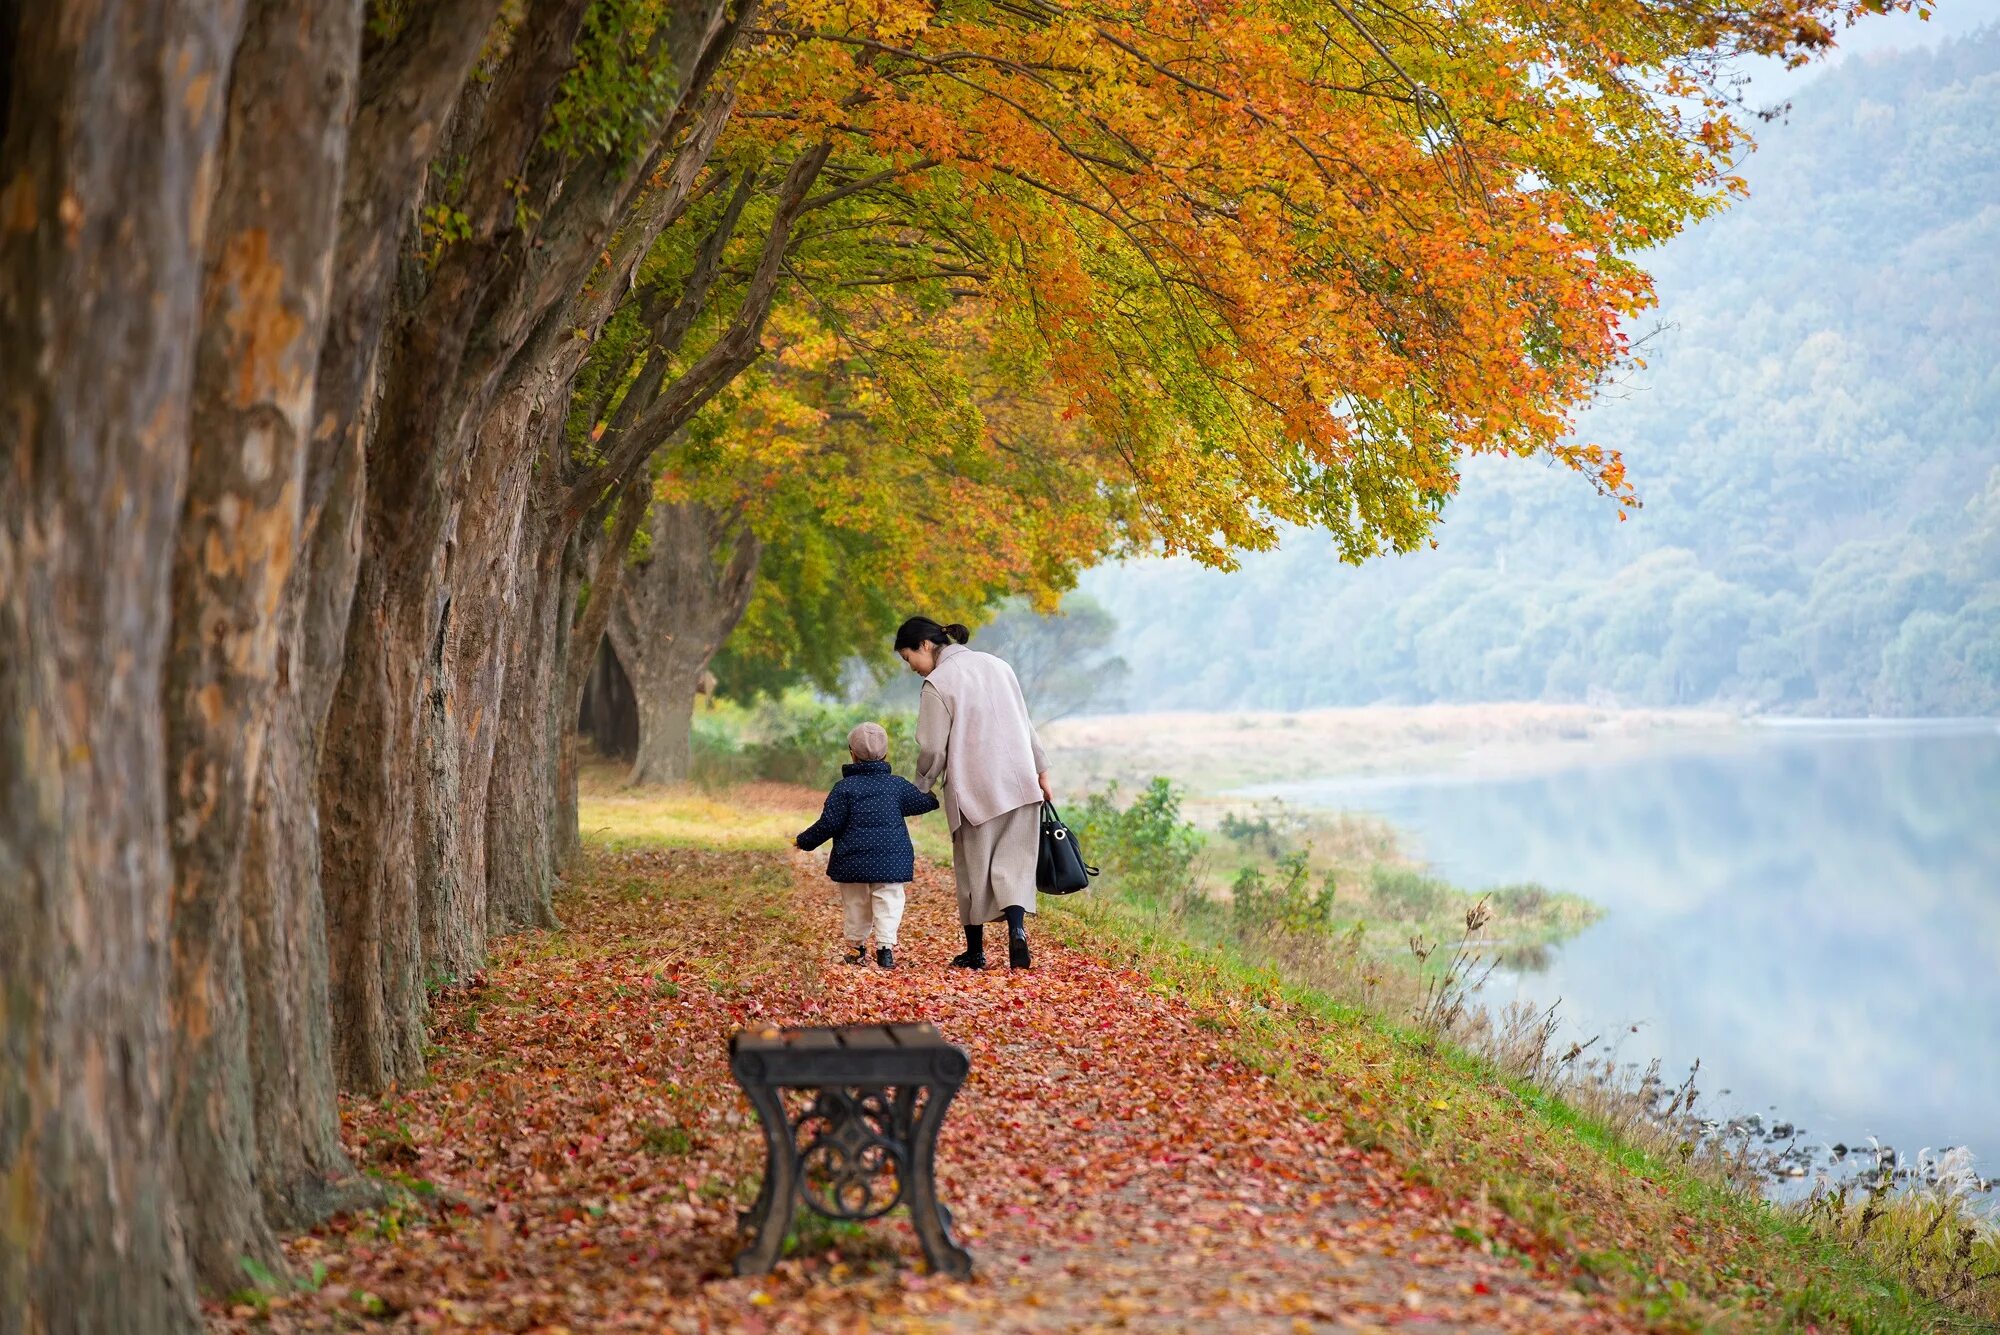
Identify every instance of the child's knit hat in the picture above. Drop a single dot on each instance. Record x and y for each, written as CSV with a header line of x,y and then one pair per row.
x,y
868,741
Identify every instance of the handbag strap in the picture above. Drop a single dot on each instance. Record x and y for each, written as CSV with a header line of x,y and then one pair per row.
x,y
1052,819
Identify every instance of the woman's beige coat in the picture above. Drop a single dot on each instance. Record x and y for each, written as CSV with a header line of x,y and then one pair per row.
x,y
974,733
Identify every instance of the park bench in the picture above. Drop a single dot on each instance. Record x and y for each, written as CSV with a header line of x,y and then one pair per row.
x,y
851,1117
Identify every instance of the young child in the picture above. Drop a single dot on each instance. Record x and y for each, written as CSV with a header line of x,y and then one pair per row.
x,y
872,857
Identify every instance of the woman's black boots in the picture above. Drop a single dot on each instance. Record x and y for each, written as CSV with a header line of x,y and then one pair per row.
x,y
1017,938
1017,944
975,950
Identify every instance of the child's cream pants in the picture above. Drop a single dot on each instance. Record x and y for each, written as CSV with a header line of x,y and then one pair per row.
x,y
876,904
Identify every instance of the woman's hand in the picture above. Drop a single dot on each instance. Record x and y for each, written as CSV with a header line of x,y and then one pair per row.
x,y
1048,792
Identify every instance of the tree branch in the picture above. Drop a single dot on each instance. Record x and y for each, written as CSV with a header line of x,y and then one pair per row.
x,y
729,356
866,183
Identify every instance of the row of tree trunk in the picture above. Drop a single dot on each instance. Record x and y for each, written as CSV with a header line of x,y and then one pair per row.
x,y
292,551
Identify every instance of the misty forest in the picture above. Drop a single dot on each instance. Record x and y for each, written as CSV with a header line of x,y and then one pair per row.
x,y
1812,437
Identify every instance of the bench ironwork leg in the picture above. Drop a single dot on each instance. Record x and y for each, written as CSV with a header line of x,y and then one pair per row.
x,y
932,1219
771,1216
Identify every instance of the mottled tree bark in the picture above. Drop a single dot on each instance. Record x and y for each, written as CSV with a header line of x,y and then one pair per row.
x,y
108,167
503,556
303,1169
374,768
531,804
492,318
520,799
408,85
673,611
367,841
268,261
464,698
566,836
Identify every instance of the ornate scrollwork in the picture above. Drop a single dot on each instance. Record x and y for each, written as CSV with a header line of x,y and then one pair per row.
x,y
852,1153
850,1117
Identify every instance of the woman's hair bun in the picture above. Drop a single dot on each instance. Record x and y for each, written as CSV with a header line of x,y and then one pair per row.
x,y
958,633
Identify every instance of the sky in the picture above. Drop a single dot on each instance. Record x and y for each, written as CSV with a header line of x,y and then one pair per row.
x,y
1771,82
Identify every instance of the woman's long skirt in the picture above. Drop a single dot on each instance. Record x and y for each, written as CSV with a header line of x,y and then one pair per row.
x,y
995,864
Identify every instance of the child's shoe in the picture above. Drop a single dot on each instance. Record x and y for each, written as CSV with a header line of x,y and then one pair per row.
x,y
860,955
885,957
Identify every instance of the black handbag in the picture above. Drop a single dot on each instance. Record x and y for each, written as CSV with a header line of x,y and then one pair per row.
x,y
1060,869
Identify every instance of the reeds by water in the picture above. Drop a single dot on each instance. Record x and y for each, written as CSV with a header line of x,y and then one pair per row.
x,y
1929,1222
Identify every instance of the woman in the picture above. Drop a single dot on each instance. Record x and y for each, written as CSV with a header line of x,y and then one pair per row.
x,y
973,732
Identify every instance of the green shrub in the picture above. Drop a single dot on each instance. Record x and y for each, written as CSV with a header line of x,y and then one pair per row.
x,y
1410,894
716,757
1148,847
1286,901
1255,835
812,745
1523,900
793,740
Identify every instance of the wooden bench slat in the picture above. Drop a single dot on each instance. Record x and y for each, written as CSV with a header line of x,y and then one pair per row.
x,y
915,1040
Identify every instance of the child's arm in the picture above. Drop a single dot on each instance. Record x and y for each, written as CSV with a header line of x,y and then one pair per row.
x,y
832,820
916,801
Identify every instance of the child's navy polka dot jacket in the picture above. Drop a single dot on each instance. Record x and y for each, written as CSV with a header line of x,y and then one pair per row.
x,y
864,817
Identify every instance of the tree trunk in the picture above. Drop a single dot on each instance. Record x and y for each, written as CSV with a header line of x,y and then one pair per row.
x,y
466,698
301,1162
666,726
268,256
520,800
390,789
496,315
367,831
580,573
672,613
303,1169
407,86
567,838
499,326
531,800
108,159
593,667
486,318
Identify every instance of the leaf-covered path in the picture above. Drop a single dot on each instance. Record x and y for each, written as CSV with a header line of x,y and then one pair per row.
x,y
1114,1162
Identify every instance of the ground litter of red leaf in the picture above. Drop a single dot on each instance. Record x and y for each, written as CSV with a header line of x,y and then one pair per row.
x,y
579,1155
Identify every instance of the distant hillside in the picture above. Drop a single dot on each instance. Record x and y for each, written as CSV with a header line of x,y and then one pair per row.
x,y
1816,439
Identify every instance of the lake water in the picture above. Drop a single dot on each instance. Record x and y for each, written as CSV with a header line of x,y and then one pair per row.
x,y
1812,910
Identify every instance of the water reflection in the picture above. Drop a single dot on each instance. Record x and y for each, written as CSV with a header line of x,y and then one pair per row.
x,y
1815,913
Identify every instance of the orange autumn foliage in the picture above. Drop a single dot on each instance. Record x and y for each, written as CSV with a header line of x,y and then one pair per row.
x,y
1287,264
